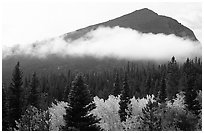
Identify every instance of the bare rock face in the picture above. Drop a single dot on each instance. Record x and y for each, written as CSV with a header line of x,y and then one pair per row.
x,y
145,21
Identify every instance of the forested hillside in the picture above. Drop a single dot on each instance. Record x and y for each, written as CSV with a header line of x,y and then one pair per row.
x,y
131,97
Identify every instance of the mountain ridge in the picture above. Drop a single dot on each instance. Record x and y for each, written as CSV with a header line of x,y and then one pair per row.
x,y
143,20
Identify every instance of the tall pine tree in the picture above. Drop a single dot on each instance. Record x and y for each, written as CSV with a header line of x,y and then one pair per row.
x,y
172,78
66,92
80,103
15,100
33,99
116,86
124,101
5,109
191,101
150,118
148,84
162,92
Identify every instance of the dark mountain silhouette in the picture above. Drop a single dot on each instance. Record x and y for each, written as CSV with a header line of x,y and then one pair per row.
x,y
145,21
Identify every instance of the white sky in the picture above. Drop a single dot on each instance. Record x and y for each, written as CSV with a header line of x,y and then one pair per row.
x,y
26,21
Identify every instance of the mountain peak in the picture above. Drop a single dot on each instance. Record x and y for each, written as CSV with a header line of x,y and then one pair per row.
x,y
145,11
143,20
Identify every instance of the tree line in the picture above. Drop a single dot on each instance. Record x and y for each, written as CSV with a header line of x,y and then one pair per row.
x,y
163,81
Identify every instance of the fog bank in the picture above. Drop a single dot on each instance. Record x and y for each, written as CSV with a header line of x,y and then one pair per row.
x,y
116,42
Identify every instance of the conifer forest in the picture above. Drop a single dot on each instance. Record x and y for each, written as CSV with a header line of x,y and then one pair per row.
x,y
130,97
100,65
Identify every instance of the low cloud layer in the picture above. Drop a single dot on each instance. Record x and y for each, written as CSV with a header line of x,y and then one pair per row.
x,y
114,42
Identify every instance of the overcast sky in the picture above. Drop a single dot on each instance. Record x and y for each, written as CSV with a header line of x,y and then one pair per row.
x,y
26,22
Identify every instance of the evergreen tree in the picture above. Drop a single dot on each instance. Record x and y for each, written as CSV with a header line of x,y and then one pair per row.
x,y
116,86
80,104
172,78
191,101
33,99
150,119
26,83
66,92
162,92
25,95
148,85
15,100
44,85
5,109
124,100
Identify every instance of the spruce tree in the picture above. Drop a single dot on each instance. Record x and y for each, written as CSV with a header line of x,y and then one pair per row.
x,y
191,102
5,109
15,100
116,86
162,92
124,101
66,92
26,83
148,85
80,103
172,78
150,118
33,99
25,95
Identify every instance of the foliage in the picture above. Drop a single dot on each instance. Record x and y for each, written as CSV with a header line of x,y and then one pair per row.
x,y
116,86
15,98
162,92
33,120
172,78
5,109
124,101
169,116
150,120
191,87
175,87
178,116
80,104
33,98
57,111
107,110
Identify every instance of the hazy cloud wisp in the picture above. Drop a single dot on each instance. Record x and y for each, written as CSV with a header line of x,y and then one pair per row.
x,y
114,42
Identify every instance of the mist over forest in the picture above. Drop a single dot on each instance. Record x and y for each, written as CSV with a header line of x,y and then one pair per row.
x,y
138,72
